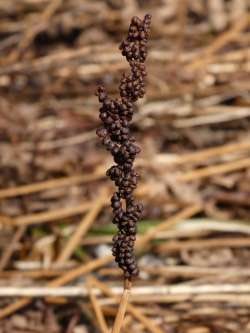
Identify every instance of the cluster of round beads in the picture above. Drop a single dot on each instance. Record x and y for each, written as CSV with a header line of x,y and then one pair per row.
x,y
116,114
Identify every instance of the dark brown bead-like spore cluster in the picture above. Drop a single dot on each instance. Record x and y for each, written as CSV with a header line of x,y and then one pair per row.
x,y
116,114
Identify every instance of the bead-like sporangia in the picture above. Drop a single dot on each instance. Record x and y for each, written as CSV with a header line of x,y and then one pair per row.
x,y
116,114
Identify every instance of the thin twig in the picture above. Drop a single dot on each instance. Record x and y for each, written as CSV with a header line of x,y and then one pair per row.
x,y
199,155
205,244
215,170
51,184
122,307
82,228
97,308
50,216
193,271
223,114
57,58
218,43
167,224
8,251
116,292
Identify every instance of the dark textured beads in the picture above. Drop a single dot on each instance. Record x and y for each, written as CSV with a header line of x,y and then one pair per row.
x,y
115,136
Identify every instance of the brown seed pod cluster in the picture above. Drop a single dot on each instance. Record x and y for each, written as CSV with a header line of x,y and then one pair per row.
x,y
116,114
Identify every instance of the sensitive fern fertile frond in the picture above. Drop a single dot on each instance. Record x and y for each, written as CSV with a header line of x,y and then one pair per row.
x,y
116,114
